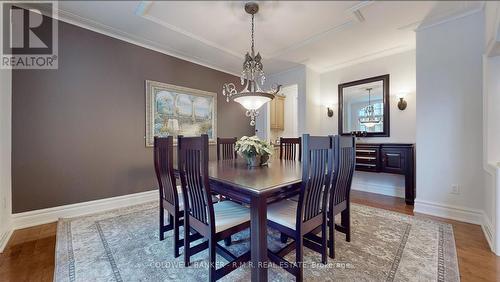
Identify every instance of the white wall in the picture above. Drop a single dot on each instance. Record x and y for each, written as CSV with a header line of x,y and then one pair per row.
x,y
5,154
401,68
313,103
290,77
449,118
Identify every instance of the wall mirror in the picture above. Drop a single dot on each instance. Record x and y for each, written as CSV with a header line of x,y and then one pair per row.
x,y
364,107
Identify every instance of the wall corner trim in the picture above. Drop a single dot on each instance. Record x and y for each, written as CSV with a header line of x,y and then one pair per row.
x,y
488,231
42,216
4,238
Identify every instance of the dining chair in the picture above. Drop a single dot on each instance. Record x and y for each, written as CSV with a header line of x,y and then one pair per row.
x,y
339,202
290,148
169,192
214,222
225,148
296,219
226,151
339,199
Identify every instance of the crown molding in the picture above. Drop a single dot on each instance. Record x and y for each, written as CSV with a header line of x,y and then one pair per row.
x,y
145,6
493,48
313,38
186,33
451,18
92,25
368,57
356,18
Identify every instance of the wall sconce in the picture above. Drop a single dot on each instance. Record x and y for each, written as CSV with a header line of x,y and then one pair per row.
x,y
402,103
329,110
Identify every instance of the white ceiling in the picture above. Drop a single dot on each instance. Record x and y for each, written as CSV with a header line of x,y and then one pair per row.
x,y
320,34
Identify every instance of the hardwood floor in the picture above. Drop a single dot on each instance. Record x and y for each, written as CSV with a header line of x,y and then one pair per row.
x,y
475,260
29,255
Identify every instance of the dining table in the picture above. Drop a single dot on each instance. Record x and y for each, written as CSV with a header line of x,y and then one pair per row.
x,y
256,187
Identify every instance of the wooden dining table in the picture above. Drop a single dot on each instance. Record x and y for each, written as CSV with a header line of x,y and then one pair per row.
x,y
256,186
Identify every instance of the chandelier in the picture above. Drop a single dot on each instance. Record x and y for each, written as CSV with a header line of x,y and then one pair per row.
x,y
369,119
251,97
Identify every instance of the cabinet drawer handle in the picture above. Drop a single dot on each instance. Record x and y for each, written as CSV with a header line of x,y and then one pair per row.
x,y
392,155
366,158
366,151
369,165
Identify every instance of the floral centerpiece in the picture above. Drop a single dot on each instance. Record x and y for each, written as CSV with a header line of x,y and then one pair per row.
x,y
255,151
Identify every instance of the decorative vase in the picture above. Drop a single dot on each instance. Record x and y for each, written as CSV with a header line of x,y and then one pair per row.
x,y
253,161
258,160
264,159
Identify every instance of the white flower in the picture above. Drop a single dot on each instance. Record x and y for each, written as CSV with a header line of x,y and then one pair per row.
x,y
253,146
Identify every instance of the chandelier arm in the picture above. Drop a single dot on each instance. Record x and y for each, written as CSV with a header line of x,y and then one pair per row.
x,y
275,89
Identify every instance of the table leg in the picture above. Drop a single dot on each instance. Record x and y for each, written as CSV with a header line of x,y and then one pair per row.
x,y
258,238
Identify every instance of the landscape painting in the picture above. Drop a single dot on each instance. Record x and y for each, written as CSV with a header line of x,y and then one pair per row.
x,y
174,110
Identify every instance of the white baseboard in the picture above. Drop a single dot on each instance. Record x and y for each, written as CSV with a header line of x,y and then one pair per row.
x,y
450,212
378,189
488,231
37,217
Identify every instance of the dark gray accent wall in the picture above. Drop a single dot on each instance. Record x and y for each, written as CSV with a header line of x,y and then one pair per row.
x,y
78,132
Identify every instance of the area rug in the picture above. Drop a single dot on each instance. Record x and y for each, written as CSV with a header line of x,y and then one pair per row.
x,y
123,245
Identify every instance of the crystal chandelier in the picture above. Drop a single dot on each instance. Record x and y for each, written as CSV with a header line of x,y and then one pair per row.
x,y
251,97
369,119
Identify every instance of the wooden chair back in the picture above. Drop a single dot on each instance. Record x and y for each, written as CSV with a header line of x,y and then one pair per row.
x,y
317,167
225,148
193,171
163,162
291,148
345,162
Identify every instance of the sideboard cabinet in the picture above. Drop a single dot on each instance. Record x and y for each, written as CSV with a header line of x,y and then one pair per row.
x,y
389,158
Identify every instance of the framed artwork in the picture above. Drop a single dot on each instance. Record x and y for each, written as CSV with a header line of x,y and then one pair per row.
x,y
174,110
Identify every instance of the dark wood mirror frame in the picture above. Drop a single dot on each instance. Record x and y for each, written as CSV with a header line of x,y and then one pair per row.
x,y
386,130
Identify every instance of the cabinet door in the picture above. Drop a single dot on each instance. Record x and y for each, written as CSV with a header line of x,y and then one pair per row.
x,y
280,113
272,118
393,160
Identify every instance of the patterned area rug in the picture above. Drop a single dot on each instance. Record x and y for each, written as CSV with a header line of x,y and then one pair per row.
x,y
123,245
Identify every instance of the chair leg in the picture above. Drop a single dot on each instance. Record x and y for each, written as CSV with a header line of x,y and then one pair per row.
x,y
227,241
331,236
346,222
162,222
283,238
324,242
187,253
211,249
176,236
170,224
299,258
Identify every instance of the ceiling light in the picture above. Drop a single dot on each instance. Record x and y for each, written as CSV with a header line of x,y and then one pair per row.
x,y
251,97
